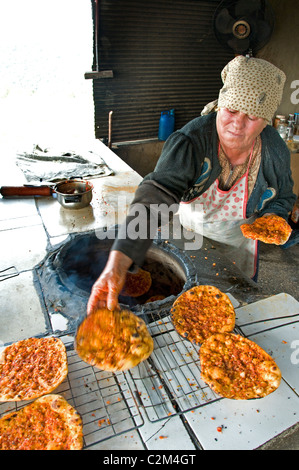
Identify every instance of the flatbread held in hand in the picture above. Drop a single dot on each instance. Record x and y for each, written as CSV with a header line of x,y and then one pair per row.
x,y
113,340
270,229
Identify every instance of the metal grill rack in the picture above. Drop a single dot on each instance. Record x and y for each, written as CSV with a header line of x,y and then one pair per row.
x,y
8,273
169,382
104,400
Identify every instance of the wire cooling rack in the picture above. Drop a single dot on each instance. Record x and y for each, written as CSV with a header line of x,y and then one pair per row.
x,y
169,382
103,399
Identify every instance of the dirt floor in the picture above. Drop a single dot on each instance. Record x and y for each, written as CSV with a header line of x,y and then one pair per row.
x,y
279,270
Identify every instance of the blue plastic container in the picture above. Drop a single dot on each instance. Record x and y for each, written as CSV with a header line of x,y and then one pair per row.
x,y
166,124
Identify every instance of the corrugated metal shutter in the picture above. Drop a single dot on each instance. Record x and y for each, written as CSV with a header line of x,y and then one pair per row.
x,y
164,55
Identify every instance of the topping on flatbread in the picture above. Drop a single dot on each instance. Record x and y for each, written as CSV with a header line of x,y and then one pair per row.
x,y
137,284
202,311
49,423
270,229
113,340
235,367
31,368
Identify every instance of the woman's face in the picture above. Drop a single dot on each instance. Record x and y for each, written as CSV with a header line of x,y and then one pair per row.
x,y
237,130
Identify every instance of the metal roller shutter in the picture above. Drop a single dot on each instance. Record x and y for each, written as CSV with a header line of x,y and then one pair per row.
x,y
164,55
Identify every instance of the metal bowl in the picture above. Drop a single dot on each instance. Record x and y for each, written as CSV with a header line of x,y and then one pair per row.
x,y
74,193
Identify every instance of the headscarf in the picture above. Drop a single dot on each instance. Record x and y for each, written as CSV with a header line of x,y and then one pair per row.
x,y
252,86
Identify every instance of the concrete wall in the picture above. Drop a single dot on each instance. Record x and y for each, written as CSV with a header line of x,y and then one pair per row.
x,y
141,156
283,51
45,49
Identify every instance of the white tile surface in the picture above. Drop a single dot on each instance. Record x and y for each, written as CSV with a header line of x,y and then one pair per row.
x,y
281,342
246,424
112,196
20,222
276,306
283,345
22,247
21,315
168,434
127,441
13,209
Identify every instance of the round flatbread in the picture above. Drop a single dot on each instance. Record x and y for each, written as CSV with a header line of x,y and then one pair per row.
x,y
48,423
31,368
154,298
270,229
236,367
113,340
137,284
202,311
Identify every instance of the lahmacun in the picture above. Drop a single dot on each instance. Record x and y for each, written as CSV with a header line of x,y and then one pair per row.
x,y
31,368
48,423
270,229
113,340
237,368
202,311
137,284
154,298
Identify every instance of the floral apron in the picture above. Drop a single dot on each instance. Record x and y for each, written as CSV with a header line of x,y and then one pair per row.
x,y
217,215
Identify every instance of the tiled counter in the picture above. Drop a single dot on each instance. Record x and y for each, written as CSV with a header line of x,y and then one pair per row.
x,y
31,227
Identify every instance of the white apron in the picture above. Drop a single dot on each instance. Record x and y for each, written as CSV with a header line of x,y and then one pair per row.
x,y
217,215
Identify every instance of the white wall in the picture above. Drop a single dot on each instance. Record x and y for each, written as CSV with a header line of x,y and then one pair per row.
x,y
45,49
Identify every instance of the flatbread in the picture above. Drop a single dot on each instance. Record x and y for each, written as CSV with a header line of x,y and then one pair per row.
x,y
48,423
270,229
31,368
202,311
113,340
137,284
236,367
154,298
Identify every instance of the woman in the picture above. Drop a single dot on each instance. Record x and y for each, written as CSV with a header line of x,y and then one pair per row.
x,y
230,163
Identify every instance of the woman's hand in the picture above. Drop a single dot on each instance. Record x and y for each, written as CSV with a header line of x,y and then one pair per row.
x,y
106,289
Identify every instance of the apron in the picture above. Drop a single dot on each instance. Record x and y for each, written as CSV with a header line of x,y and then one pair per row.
x,y
217,215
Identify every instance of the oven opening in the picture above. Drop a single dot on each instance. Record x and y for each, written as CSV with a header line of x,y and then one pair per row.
x,y
66,276
80,262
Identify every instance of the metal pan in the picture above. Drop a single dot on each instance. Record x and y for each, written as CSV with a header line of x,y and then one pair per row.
x,y
71,193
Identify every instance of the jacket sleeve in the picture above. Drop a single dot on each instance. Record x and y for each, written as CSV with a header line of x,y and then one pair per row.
x,y
277,168
157,197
